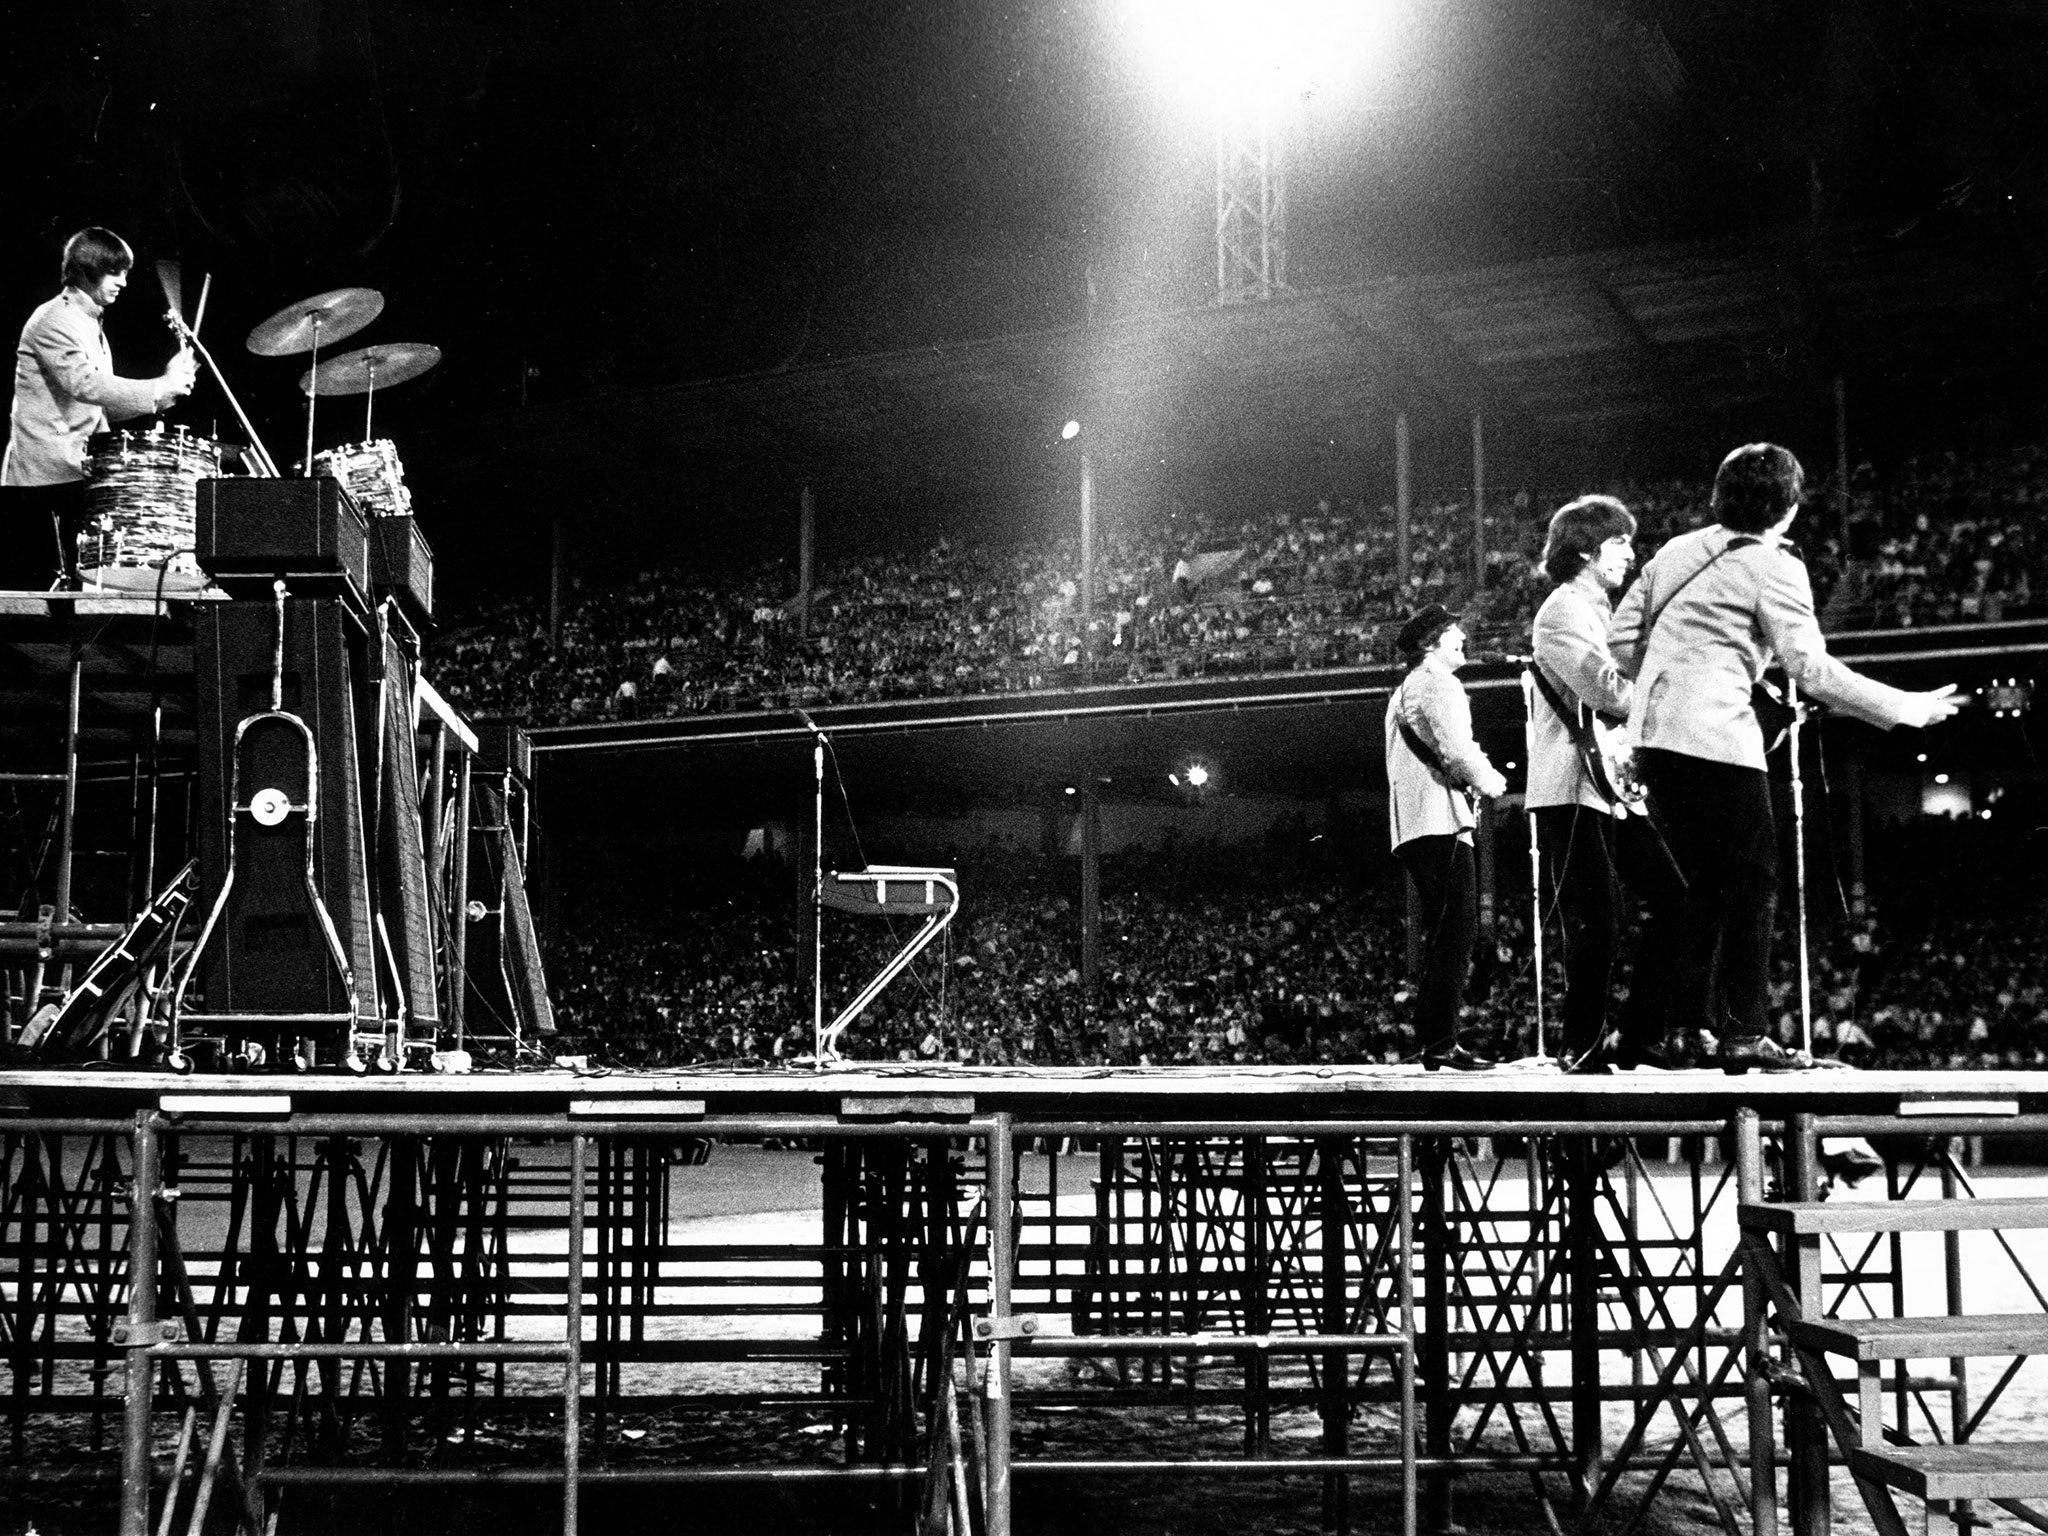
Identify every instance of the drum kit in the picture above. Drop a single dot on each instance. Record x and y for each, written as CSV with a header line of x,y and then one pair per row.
x,y
142,488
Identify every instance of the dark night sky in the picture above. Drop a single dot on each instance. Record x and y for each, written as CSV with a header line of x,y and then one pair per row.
x,y
611,195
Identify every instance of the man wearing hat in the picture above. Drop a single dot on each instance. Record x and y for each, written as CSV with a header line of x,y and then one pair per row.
x,y
1434,771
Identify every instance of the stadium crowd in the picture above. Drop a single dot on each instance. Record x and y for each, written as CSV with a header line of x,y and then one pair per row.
x,y
1940,540
1296,955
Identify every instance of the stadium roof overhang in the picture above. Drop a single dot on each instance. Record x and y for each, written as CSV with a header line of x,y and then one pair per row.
x,y
1576,351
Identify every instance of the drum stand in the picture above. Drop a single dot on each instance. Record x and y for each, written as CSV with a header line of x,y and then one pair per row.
x,y
312,398
259,456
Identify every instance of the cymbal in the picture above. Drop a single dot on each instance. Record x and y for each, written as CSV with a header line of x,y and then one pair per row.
x,y
340,313
378,367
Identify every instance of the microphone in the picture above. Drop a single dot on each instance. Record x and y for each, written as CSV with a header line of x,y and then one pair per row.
x,y
809,724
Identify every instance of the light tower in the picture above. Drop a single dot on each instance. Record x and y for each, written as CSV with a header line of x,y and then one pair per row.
x,y
1249,71
1251,211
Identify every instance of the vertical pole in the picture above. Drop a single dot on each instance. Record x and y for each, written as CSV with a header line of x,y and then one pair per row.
x,y
1091,885
1478,504
1852,795
1756,1331
1806,1436
1402,491
1087,636
806,555
818,900
1336,1404
1959,1367
437,789
1584,1275
555,584
141,1384
1436,1330
66,841
1002,1203
572,1367
1404,1199
458,903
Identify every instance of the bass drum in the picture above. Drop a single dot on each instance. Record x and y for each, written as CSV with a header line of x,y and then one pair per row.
x,y
141,510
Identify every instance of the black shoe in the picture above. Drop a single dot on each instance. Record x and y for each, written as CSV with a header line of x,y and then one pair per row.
x,y
1456,1059
1630,1054
1766,1055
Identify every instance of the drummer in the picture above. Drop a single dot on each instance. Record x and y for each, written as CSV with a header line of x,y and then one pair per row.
x,y
65,390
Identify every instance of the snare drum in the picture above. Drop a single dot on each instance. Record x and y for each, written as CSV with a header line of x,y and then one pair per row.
x,y
371,474
141,504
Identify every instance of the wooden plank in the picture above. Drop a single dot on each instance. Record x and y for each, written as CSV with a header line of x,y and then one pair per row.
x,y
1944,1472
1926,1338
1811,1219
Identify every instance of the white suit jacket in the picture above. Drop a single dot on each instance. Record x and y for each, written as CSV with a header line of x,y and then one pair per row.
x,y
1570,642
65,389
1419,802
1695,664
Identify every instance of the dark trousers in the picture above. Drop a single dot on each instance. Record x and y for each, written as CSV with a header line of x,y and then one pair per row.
x,y
1717,818
1585,852
1447,881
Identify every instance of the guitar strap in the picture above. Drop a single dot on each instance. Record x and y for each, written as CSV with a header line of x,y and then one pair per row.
x,y
1581,733
1430,757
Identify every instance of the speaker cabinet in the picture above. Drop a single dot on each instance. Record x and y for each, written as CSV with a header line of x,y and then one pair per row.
x,y
251,532
306,747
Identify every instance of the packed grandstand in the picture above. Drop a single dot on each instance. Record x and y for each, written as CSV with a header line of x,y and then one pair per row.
x,y
1940,540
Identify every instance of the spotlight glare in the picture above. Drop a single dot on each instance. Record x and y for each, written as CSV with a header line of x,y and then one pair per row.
x,y
1238,63
1198,775
1070,431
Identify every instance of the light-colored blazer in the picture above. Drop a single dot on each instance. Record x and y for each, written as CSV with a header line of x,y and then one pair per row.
x,y
1570,642
65,389
1695,665
1420,803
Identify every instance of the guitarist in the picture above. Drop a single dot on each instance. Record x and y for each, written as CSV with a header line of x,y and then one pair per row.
x,y
1591,828
1435,773
1713,609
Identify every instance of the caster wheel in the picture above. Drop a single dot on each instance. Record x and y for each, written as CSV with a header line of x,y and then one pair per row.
x,y
355,1064
179,1063
387,1064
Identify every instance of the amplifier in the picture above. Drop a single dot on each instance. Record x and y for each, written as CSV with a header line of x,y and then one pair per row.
x,y
401,565
502,746
306,531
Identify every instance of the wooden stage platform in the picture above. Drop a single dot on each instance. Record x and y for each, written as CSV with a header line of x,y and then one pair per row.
x,y
1512,1094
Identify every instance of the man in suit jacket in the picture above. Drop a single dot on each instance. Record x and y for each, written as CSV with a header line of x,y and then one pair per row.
x,y
1432,764
1589,836
1712,611
65,390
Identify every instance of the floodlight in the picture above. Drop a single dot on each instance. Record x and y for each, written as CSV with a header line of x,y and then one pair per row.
x,y
1070,431
1198,774
1240,62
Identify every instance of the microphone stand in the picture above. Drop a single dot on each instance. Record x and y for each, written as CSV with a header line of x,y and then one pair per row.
x,y
817,891
1799,865
1535,851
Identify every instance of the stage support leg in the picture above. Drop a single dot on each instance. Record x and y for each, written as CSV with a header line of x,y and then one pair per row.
x,y
1435,1345
1002,1231
572,1368
1336,1366
1806,1435
1763,1438
141,1384
1583,1259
